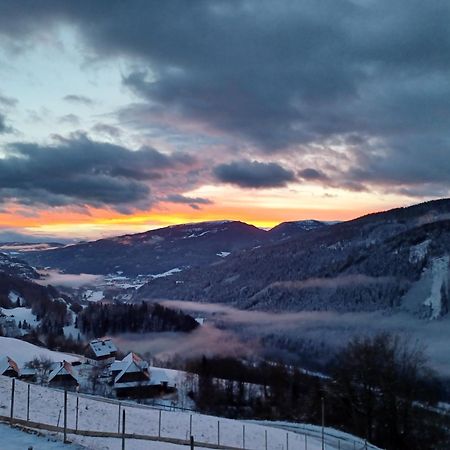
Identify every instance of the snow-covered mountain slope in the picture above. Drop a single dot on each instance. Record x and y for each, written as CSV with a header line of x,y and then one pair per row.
x,y
153,252
22,352
366,264
286,230
16,267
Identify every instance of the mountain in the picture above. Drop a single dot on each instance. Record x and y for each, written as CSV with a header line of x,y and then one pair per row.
x,y
286,230
382,261
13,266
154,252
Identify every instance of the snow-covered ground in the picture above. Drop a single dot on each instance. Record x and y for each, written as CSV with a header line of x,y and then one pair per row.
x,y
20,314
168,273
15,439
439,271
22,352
98,414
93,296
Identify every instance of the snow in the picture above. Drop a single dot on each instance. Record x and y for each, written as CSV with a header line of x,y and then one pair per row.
x,y
168,273
14,439
439,270
70,330
93,296
100,414
223,254
22,352
103,347
418,252
20,314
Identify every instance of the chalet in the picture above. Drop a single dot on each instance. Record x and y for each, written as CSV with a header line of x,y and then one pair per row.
x,y
101,351
63,376
9,368
132,378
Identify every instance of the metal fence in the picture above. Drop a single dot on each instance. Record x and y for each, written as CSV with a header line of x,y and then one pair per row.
x,y
73,414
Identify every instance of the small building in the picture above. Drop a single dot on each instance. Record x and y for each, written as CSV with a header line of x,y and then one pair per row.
x,y
101,351
28,374
8,367
63,376
133,378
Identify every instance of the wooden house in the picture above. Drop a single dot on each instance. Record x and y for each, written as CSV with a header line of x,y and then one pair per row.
x,y
63,376
8,367
101,351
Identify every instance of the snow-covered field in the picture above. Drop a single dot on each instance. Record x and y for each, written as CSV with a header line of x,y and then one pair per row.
x,y
20,314
97,414
15,439
22,352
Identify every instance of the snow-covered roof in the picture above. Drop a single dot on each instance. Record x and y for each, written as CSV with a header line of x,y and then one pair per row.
x,y
136,359
27,371
103,347
65,369
158,376
7,363
130,367
117,366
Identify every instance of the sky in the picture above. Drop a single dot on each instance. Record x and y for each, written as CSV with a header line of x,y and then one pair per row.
x,y
121,116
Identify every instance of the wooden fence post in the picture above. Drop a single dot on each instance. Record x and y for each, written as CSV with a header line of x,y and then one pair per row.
x,y
65,417
243,437
118,419
190,425
123,430
192,442
76,412
13,390
28,402
159,423
265,437
287,441
218,432
306,442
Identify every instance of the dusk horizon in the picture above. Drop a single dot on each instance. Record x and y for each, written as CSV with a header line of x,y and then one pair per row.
x,y
117,117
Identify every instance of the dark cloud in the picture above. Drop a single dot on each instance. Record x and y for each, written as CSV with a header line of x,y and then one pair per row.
x,y
79,99
253,174
283,76
109,130
79,171
312,174
3,127
193,202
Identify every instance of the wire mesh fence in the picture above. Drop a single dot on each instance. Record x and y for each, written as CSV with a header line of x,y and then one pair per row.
x,y
72,414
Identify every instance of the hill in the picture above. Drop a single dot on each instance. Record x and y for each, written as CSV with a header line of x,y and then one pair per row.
x,y
153,252
393,259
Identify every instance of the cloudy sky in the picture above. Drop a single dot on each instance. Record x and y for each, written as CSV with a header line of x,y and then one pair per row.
x,y
128,115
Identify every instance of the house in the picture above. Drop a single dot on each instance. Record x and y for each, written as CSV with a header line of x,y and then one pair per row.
x,y
63,376
8,367
101,351
28,374
132,378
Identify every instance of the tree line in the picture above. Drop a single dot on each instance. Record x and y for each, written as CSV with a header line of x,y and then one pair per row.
x,y
99,319
378,388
